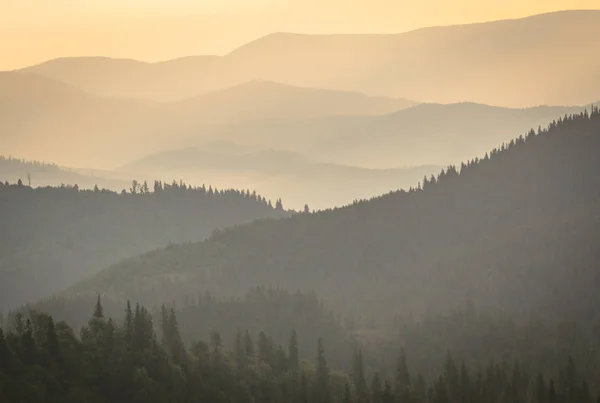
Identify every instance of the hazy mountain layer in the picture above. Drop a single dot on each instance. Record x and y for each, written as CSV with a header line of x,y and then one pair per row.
x,y
545,59
43,119
273,173
426,134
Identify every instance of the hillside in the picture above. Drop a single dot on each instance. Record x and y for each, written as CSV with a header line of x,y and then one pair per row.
x,y
508,231
488,63
275,173
54,237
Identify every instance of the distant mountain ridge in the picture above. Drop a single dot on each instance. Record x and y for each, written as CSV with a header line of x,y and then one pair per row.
x,y
259,100
44,119
487,63
36,112
297,179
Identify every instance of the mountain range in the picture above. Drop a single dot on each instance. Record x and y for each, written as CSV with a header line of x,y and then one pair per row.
x,y
503,63
43,119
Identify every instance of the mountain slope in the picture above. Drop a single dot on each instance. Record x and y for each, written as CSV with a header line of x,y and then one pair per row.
x,y
53,237
552,55
516,231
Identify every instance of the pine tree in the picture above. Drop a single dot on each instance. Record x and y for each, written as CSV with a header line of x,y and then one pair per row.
x,y
347,398
264,347
388,394
52,345
216,341
240,354
402,379
293,352
376,389
248,345
552,397
28,346
541,391
128,326
322,393
358,375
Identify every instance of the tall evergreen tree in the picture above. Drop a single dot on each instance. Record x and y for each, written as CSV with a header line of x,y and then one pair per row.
x,y
293,352
321,389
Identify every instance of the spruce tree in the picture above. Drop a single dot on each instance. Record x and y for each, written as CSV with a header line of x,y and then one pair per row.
x,y
293,352
358,375
376,389
322,393
402,379
248,344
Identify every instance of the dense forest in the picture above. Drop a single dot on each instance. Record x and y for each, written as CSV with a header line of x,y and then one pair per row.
x,y
143,359
506,231
52,237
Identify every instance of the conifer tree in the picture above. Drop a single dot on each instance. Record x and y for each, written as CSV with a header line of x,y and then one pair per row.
x,y
248,345
358,375
128,326
293,352
322,393
402,379
376,389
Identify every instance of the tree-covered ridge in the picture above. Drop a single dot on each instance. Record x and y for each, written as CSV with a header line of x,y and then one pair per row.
x,y
41,174
508,230
143,358
10,163
53,237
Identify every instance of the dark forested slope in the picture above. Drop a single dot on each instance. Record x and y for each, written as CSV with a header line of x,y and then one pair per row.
x,y
516,230
52,237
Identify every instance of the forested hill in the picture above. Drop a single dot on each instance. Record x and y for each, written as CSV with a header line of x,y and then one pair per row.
x,y
516,230
52,237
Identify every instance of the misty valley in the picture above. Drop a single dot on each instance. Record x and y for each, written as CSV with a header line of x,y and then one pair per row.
x,y
309,218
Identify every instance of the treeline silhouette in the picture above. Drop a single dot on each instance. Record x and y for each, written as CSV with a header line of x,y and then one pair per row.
x,y
143,358
508,231
52,237
8,164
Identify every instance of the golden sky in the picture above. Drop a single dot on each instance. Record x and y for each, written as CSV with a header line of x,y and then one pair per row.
x,y
32,31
